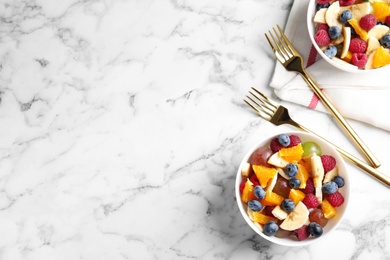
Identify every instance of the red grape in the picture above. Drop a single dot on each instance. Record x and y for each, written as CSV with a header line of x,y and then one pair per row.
x,y
317,216
260,156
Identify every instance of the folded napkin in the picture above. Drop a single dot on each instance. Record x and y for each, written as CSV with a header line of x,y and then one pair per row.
x,y
363,97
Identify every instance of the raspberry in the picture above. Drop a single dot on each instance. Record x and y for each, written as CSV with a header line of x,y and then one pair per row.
x,y
387,20
346,2
322,38
328,162
367,22
336,199
311,201
302,233
359,60
309,186
275,145
323,2
242,186
357,45
294,140
323,26
254,180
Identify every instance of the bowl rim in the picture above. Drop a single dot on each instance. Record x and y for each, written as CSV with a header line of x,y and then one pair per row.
x,y
310,27
341,211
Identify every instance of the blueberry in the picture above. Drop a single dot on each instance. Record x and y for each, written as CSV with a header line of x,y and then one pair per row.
x,y
270,228
319,6
255,205
291,170
385,41
330,187
334,32
339,181
294,183
315,229
345,16
259,192
330,51
287,205
284,140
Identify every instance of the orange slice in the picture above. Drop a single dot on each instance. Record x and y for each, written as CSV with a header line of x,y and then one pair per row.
x,y
302,175
261,218
247,192
381,10
264,174
271,199
296,196
359,30
291,154
381,58
328,210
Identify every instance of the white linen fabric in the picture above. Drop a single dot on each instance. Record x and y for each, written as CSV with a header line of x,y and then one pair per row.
x,y
364,97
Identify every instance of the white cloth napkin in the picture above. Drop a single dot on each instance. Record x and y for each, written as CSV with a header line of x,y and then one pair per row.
x,y
363,97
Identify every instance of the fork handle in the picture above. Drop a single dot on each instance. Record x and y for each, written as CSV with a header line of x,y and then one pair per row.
x,y
366,151
357,162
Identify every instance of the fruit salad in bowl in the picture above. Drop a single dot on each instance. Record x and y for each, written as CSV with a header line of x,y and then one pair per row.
x,y
352,35
292,189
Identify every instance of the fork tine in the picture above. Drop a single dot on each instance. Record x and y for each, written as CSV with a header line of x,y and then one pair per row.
x,y
270,101
288,44
262,103
281,45
259,109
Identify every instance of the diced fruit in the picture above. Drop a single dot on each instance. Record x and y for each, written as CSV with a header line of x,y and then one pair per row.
x,y
296,195
261,218
359,30
318,216
279,213
309,186
303,175
246,168
381,10
381,58
271,199
291,154
260,156
311,201
296,218
328,210
336,199
247,193
311,147
282,187
302,233
264,174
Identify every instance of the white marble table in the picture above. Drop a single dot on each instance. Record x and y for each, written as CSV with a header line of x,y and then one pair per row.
x,y
122,127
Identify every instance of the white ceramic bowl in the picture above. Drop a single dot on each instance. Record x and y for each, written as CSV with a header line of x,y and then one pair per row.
x,y
311,11
332,223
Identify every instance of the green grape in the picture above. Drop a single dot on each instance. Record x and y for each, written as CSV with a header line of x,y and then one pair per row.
x,y
311,147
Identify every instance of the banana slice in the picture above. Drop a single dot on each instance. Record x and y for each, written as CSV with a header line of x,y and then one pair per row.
x,y
331,174
279,213
283,173
271,184
378,31
318,175
358,10
372,45
369,64
296,218
347,41
319,17
245,169
332,15
277,161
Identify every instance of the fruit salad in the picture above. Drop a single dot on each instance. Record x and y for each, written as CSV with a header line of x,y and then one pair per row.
x,y
291,189
354,33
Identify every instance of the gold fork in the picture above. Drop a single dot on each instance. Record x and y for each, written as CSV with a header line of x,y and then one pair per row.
x,y
277,114
293,61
